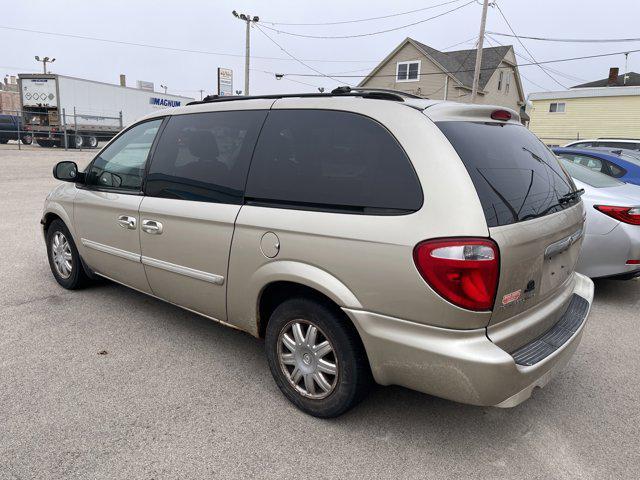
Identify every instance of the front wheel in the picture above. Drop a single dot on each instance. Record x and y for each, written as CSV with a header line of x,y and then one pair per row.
x,y
26,139
64,258
316,357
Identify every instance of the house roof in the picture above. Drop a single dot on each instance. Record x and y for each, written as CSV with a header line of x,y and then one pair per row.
x,y
461,63
633,80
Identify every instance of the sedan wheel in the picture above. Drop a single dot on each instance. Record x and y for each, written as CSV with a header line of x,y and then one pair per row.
x,y
307,359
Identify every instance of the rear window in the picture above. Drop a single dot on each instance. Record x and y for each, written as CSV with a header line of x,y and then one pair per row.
x,y
331,161
588,176
516,176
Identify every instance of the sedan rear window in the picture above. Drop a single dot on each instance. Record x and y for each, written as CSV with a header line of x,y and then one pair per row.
x,y
516,176
588,176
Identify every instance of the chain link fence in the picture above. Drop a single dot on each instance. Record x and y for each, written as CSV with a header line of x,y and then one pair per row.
x,y
47,129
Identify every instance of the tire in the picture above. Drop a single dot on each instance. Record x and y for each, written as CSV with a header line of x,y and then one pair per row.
x,y
26,139
45,143
347,358
77,141
60,248
91,141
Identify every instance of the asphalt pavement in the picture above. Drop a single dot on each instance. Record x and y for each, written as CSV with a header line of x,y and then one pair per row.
x,y
109,383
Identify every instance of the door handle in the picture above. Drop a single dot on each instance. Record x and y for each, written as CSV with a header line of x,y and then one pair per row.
x,y
127,222
152,226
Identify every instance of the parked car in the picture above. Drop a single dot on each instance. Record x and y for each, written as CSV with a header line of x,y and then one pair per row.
x,y
621,166
362,234
10,129
626,143
611,246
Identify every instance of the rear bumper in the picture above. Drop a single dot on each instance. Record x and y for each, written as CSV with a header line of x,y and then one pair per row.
x,y
607,255
460,365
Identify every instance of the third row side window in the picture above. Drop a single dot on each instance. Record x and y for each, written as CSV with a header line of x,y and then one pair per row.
x,y
332,160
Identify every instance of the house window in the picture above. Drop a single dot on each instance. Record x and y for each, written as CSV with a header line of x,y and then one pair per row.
x,y
500,76
408,71
507,83
556,107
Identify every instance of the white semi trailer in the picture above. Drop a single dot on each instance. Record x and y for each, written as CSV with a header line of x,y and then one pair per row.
x,y
75,112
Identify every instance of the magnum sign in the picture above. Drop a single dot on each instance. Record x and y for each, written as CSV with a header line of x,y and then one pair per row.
x,y
225,82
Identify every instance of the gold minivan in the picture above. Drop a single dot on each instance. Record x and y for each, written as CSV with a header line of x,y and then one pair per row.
x,y
365,235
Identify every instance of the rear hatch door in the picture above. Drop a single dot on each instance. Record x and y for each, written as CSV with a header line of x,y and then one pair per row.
x,y
533,215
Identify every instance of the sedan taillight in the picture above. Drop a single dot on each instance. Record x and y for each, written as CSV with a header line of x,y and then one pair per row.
x,y
463,271
629,215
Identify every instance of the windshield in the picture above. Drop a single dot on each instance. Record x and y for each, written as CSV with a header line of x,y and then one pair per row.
x,y
588,176
516,176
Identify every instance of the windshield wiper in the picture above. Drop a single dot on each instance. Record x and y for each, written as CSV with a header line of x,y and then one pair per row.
x,y
568,197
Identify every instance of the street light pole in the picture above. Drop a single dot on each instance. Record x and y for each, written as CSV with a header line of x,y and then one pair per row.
x,y
164,87
248,19
476,73
44,61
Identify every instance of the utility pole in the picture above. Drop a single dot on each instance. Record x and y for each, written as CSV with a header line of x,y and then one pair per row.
x,y
476,73
248,19
201,92
44,61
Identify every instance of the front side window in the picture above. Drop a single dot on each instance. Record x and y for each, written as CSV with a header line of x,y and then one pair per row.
x,y
121,165
204,156
556,107
408,71
332,161
614,144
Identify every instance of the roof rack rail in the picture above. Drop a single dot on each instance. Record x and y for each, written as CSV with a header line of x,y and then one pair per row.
x,y
377,93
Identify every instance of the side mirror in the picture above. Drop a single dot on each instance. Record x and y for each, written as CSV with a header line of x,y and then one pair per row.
x,y
66,171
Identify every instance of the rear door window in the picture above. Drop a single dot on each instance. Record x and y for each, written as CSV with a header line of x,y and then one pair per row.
x,y
331,160
204,156
585,175
516,176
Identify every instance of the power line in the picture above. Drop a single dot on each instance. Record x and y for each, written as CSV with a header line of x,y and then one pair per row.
x,y
543,62
570,40
365,19
573,78
288,79
173,49
379,32
525,47
301,62
488,39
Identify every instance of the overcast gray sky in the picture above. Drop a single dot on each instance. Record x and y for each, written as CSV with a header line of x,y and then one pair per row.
x,y
209,26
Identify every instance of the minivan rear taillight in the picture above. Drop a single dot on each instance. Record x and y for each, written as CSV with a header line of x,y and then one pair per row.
x,y
624,214
464,271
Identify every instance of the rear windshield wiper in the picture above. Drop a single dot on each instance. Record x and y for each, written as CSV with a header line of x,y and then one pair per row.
x,y
568,197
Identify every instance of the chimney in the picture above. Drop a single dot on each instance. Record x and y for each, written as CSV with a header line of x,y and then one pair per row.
x,y
613,77
12,80
123,80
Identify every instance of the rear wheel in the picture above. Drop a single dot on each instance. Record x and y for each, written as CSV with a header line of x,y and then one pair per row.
x,y
316,357
77,141
64,258
45,143
91,141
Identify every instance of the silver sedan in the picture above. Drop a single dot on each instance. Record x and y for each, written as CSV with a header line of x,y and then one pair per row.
x,y
611,246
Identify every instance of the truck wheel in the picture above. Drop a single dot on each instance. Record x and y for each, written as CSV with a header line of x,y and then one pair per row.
x,y
316,357
91,141
78,141
27,139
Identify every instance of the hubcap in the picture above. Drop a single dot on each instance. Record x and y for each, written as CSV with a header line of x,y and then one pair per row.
x,y
307,359
61,255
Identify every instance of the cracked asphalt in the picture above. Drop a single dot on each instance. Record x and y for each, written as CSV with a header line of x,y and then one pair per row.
x,y
178,396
